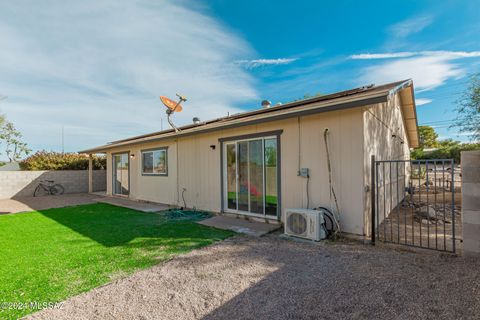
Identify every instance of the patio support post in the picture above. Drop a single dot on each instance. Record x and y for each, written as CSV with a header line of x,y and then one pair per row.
x,y
90,173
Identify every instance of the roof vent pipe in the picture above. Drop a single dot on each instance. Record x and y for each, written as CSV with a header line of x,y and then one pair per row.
x,y
196,120
266,104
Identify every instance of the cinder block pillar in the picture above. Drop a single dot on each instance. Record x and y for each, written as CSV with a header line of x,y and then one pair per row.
x,y
470,161
90,173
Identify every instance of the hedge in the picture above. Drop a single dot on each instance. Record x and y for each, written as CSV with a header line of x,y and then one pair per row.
x,y
43,160
445,152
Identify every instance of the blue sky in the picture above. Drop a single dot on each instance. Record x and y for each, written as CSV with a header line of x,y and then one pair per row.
x,y
97,68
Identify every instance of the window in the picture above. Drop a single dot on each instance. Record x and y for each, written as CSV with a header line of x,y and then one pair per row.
x,y
154,162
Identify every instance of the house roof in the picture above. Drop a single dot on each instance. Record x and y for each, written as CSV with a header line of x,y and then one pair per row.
x,y
353,98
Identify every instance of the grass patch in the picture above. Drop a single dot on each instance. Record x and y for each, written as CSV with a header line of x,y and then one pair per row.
x,y
50,255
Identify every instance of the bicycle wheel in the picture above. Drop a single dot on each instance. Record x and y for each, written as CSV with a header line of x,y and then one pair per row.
x,y
57,189
40,191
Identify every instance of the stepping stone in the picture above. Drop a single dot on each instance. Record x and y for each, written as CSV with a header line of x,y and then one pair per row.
x,y
253,228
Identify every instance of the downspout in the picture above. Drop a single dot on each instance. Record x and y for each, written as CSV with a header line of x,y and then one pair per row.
x,y
299,145
333,196
177,171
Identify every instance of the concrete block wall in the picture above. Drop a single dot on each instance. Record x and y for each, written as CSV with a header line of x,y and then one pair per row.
x,y
23,183
470,161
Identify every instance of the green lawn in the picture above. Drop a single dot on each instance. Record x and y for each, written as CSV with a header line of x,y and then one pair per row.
x,y
47,256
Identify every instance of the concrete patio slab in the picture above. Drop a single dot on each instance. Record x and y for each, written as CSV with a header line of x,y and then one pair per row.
x,y
23,204
134,205
256,229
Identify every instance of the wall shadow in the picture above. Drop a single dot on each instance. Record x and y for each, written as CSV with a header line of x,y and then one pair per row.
x,y
17,189
113,226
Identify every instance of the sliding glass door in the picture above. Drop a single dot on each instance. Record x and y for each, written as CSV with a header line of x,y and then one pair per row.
x,y
250,179
121,181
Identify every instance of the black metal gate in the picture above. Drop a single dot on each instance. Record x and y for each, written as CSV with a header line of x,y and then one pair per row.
x,y
413,203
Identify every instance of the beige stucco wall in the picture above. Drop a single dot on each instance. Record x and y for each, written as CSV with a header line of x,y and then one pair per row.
x,y
197,167
150,188
381,122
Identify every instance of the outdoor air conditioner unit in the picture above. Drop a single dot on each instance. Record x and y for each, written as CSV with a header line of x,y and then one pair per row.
x,y
305,223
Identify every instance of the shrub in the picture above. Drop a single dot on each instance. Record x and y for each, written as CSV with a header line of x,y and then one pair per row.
x,y
43,160
448,150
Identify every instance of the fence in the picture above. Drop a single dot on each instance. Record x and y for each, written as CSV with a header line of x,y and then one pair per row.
x,y
23,183
414,203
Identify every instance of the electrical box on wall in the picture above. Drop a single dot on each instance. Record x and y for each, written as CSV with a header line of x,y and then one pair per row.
x,y
304,172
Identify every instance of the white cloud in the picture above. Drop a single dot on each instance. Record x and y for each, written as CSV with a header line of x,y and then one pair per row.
x,y
395,55
427,72
252,64
429,69
452,54
422,101
97,68
368,56
468,133
410,26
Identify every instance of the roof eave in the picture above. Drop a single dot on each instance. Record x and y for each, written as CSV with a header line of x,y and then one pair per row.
x,y
409,127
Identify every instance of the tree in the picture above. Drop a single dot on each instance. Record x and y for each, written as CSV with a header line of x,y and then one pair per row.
x,y
468,109
2,123
15,148
428,137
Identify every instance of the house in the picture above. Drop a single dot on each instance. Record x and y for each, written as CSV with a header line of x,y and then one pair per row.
x,y
250,163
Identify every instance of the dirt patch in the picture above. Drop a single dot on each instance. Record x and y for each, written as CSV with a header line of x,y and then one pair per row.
x,y
273,278
427,219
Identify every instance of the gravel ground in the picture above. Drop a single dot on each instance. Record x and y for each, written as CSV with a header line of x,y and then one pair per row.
x,y
274,278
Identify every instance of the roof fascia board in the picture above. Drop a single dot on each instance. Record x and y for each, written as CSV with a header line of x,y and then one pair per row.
x,y
415,111
403,85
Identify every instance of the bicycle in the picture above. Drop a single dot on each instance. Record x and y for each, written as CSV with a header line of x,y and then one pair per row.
x,y
48,187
